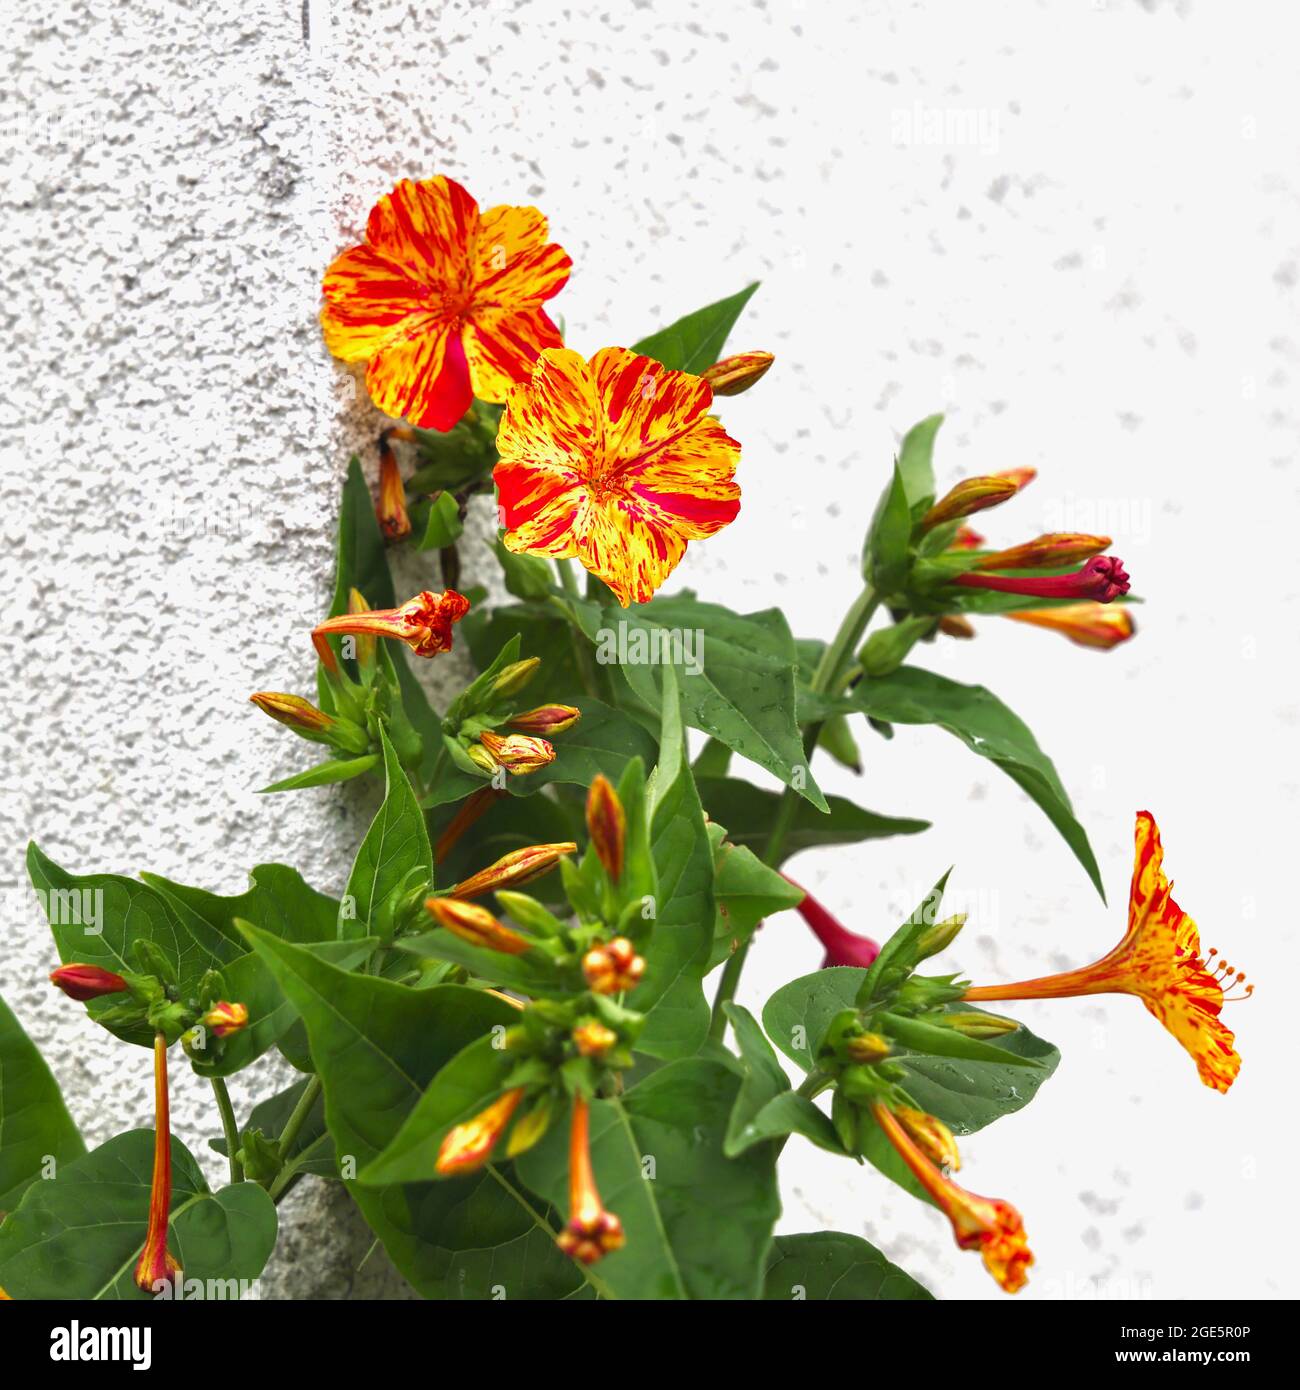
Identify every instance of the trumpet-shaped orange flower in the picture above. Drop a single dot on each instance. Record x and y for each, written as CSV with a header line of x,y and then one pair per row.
x,y
469,1145
1160,961
443,301
1087,624
616,461
592,1231
424,623
986,1224
156,1264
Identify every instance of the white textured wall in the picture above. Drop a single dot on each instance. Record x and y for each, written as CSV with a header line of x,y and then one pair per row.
x,y
1095,273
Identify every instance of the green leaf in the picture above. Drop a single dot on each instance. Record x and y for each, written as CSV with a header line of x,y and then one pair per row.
x,y
830,1264
96,918
395,851
766,1107
444,526
280,901
695,342
533,973
736,675
915,461
361,561
325,774
526,576
965,1095
35,1126
79,1235
885,554
672,994
745,891
698,1224
987,727
377,1046
748,813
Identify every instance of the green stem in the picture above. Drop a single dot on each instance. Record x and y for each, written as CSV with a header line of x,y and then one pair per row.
x,y
581,647
836,663
231,1128
292,1127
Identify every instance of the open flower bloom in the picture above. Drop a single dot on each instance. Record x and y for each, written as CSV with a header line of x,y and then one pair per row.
x,y
1160,961
1103,579
156,1264
986,1224
469,1145
424,623
616,461
443,301
843,947
592,1231
224,1018
513,870
1087,624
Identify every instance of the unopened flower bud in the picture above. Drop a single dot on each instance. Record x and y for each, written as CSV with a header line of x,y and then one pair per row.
x,y
607,825
480,757
1057,548
512,679
547,720
612,968
867,1047
967,497
518,753
954,625
1088,624
476,925
936,938
737,373
367,644
529,1128
976,1025
513,870
294,712
223,1018
390,511
468,1146
85,982
593,1039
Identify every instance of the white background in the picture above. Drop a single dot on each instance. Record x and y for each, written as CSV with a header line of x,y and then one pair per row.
x,y
1094,272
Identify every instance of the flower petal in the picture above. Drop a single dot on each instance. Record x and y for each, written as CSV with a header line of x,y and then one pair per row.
x,y
689,483
423,377
427,227
367,299
502,344
513,264
627,544
646,406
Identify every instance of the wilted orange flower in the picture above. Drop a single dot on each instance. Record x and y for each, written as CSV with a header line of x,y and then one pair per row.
x,y
476,925
424,623
1159,960
986,1224
592,1231
1087,624
443,301
468,1146
513,870
616,461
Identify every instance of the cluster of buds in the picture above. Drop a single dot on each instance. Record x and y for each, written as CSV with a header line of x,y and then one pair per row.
x,y
613,967
475,722
424,623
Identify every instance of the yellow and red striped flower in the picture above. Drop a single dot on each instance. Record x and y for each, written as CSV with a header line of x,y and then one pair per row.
x,y
1159,960
224,1018
424,623
615,461
443,301
987,1224
1087,624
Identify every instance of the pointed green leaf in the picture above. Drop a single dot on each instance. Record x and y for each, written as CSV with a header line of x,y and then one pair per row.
x,y
325,774
695,342
830,1264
